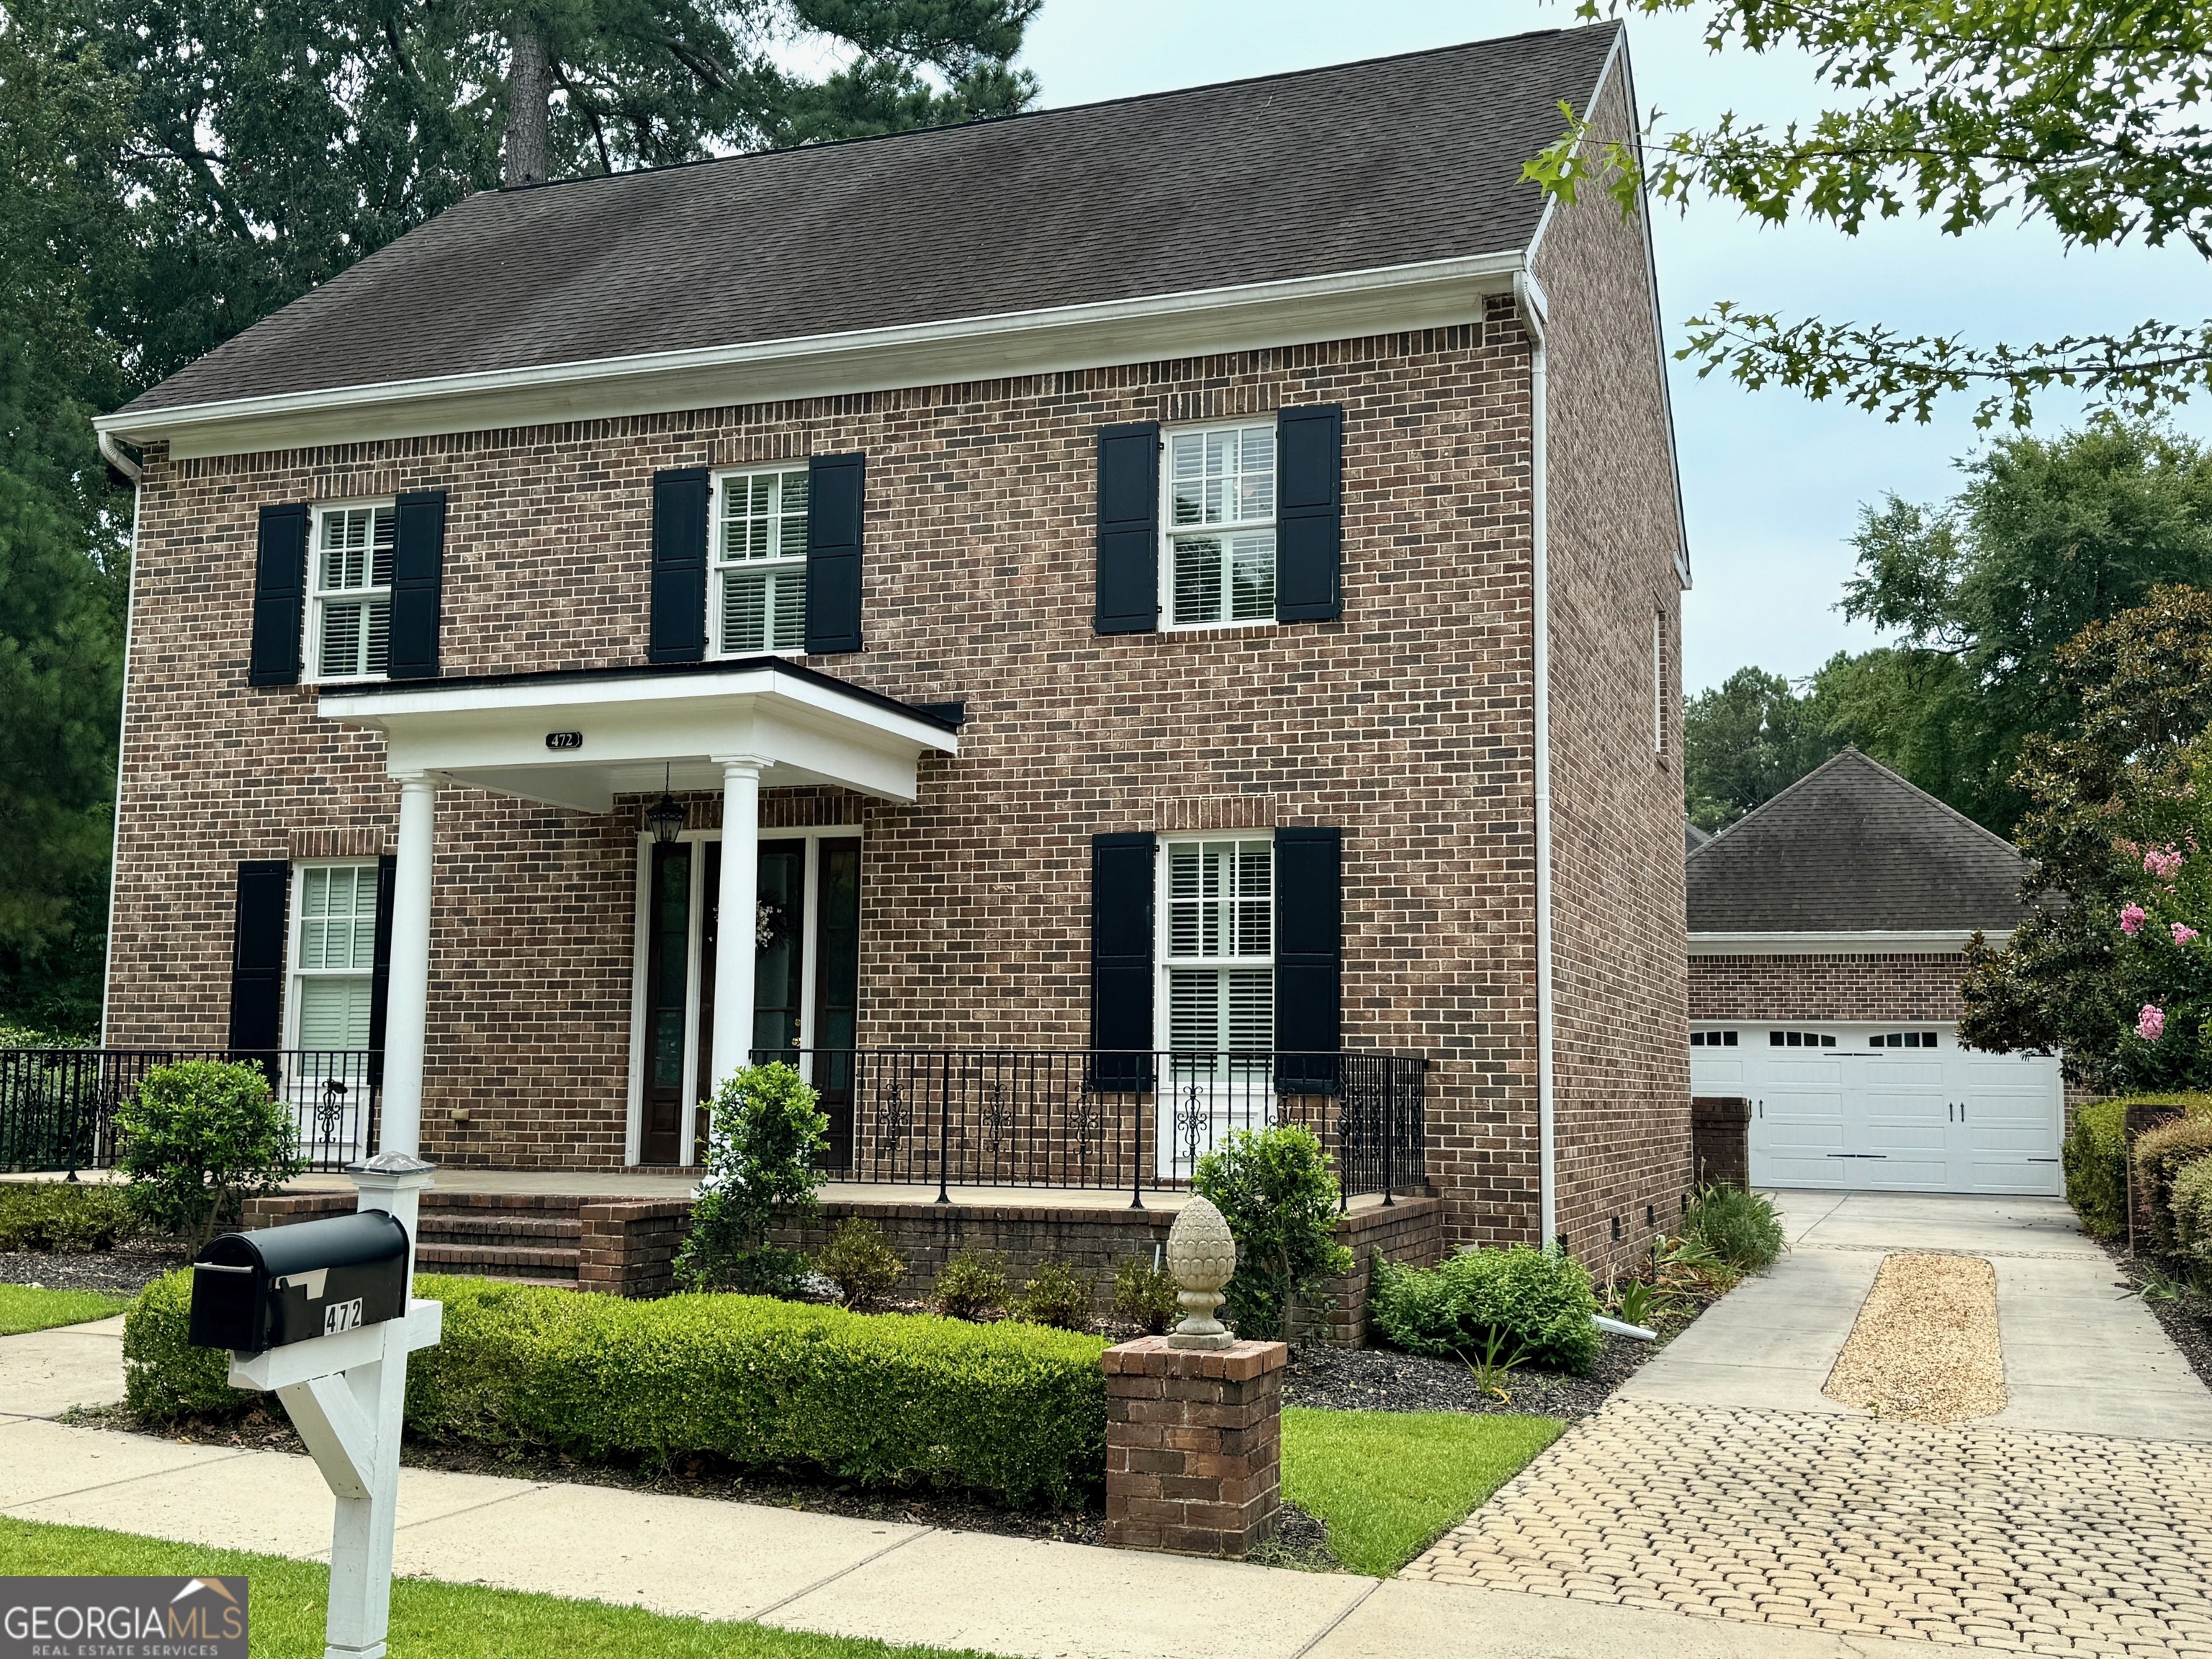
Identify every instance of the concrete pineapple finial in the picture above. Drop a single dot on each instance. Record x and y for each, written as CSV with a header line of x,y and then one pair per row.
x,y
1201,1256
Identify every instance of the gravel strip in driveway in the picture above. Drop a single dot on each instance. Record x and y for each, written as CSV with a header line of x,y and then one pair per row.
x,y
2000,1537
1925,1345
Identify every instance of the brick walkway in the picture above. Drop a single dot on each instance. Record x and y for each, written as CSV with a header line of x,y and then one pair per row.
x,y
2001,1538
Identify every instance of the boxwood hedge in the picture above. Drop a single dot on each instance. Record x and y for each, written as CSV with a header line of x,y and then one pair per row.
x,y
1018,1411
2096,1158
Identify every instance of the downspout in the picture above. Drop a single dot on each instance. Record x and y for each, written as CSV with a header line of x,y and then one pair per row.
x,y
117,458
1529,298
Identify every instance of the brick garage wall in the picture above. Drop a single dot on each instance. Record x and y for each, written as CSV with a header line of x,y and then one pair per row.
x,y
1825,987
1623,1083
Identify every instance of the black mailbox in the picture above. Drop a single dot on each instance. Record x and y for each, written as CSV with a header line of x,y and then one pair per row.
x,y
254,1291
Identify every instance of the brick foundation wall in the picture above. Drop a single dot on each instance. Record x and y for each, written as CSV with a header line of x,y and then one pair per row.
x,y
1622,1088
1826,987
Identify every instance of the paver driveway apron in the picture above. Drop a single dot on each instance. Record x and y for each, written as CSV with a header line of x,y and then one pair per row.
x,y
1721,1482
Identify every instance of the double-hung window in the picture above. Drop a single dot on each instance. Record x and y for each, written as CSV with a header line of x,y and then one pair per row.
x,y
1220,958
760,563
350,620
335,961
1221,553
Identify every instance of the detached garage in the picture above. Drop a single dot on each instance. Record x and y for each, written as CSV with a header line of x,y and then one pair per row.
x,y
1826,930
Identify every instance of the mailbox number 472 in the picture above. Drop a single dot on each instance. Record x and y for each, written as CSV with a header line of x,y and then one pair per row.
x,y
341,1317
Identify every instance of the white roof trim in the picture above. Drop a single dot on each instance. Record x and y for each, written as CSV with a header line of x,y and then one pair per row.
x,y
1933,942
1247,317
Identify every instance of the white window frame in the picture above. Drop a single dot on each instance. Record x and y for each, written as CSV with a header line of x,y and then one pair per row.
x,y
295,933
1169,533
719,570
1658,682
319,598
302,1090
640,938
1166,963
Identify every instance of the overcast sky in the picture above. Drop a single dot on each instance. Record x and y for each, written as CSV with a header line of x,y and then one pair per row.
x,y
1773,483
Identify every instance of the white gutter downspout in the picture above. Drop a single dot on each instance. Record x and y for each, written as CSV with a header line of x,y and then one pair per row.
x,y
113,453
1529,298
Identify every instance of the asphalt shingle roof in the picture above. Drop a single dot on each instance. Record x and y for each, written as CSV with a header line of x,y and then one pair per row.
x,y
1391,161
1853,847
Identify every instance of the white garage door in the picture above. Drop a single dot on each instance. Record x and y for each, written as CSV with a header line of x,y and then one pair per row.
x,y
1886,1107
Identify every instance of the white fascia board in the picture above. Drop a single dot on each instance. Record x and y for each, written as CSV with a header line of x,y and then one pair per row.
x,y
1940,941
1247,317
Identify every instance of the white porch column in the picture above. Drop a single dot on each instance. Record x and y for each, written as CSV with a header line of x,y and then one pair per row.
x,y
407,997
735,947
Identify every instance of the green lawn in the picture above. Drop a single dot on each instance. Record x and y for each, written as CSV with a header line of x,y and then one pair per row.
x,y
286,1602
1390,1483
22,1308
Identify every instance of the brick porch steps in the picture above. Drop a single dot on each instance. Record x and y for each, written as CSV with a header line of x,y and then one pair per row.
x,y
534,1236
498,1261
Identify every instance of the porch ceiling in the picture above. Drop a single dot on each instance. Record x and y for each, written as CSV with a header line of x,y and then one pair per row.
x,y
633,727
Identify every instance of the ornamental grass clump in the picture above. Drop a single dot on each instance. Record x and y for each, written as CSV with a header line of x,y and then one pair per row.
x,y
1741,1228
1480,1299
1017,1412
766,1133
198,1138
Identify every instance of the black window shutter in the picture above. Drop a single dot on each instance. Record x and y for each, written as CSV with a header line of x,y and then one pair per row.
x,y
679,566
1310,514
835,486
380,982
280,596
418,581
1128,578
1121,958
1309,958
257,956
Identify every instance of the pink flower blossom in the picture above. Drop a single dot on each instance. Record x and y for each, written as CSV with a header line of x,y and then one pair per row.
x,y
2132,918
2183,933
2150,1024
2162,862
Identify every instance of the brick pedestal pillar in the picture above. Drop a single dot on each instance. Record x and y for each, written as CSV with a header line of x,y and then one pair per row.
x,y
1193,1446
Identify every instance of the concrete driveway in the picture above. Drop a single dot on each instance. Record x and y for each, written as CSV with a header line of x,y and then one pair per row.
x,y
1722,1482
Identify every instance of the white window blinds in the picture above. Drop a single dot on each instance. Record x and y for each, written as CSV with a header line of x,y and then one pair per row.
x,y
336,956
1221,519
352,570
1219,958
760,563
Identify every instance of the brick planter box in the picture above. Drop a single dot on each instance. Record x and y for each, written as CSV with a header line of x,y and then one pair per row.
x,y
1193,1446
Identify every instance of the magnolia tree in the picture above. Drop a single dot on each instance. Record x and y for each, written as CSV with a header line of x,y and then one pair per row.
x,y
2113,966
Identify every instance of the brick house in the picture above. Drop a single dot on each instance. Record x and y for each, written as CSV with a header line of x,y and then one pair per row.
x,y
1826,937
1195,577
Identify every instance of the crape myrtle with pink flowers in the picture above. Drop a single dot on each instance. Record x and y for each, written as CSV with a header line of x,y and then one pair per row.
x,y
2113,967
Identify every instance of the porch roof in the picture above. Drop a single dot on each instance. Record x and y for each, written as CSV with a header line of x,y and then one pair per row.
x,y
579,738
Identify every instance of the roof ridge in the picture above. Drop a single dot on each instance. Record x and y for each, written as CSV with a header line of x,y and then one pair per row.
x,y
1784,793
768,151
1852,751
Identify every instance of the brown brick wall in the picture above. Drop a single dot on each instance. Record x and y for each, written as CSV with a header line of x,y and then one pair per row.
x,y
1618,939
1890,987
1408,724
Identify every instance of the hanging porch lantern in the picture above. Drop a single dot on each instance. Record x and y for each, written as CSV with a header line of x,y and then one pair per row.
x,y
665,817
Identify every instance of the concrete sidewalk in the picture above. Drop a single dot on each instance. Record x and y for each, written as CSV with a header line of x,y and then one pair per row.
x,y
833,1574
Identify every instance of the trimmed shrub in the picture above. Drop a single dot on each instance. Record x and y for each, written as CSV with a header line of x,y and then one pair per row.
x,y
199,1137
1145,1296
768,1130
1741,1228
860,1263
1524,1296
63,1217
974,1284
2191,1208
1016,1411
2096,1158
1057,1295
1276,1190
2161,1155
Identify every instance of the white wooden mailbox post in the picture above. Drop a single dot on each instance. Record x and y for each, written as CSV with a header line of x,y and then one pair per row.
x,y
344,1394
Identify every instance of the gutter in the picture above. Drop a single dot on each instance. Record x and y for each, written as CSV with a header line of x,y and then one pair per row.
x,y
129,469
1529,298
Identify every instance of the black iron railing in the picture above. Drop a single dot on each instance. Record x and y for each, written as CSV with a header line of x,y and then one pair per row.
x,y
1090,1118
58,1105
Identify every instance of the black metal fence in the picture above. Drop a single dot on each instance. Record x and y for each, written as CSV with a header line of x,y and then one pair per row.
x,y
58,1105
1087,1118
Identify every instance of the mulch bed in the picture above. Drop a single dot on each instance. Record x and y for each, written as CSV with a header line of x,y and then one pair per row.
x,y
2186,1315
129,1270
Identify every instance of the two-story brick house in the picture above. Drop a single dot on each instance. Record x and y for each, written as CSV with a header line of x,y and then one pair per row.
x,y
1199,573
